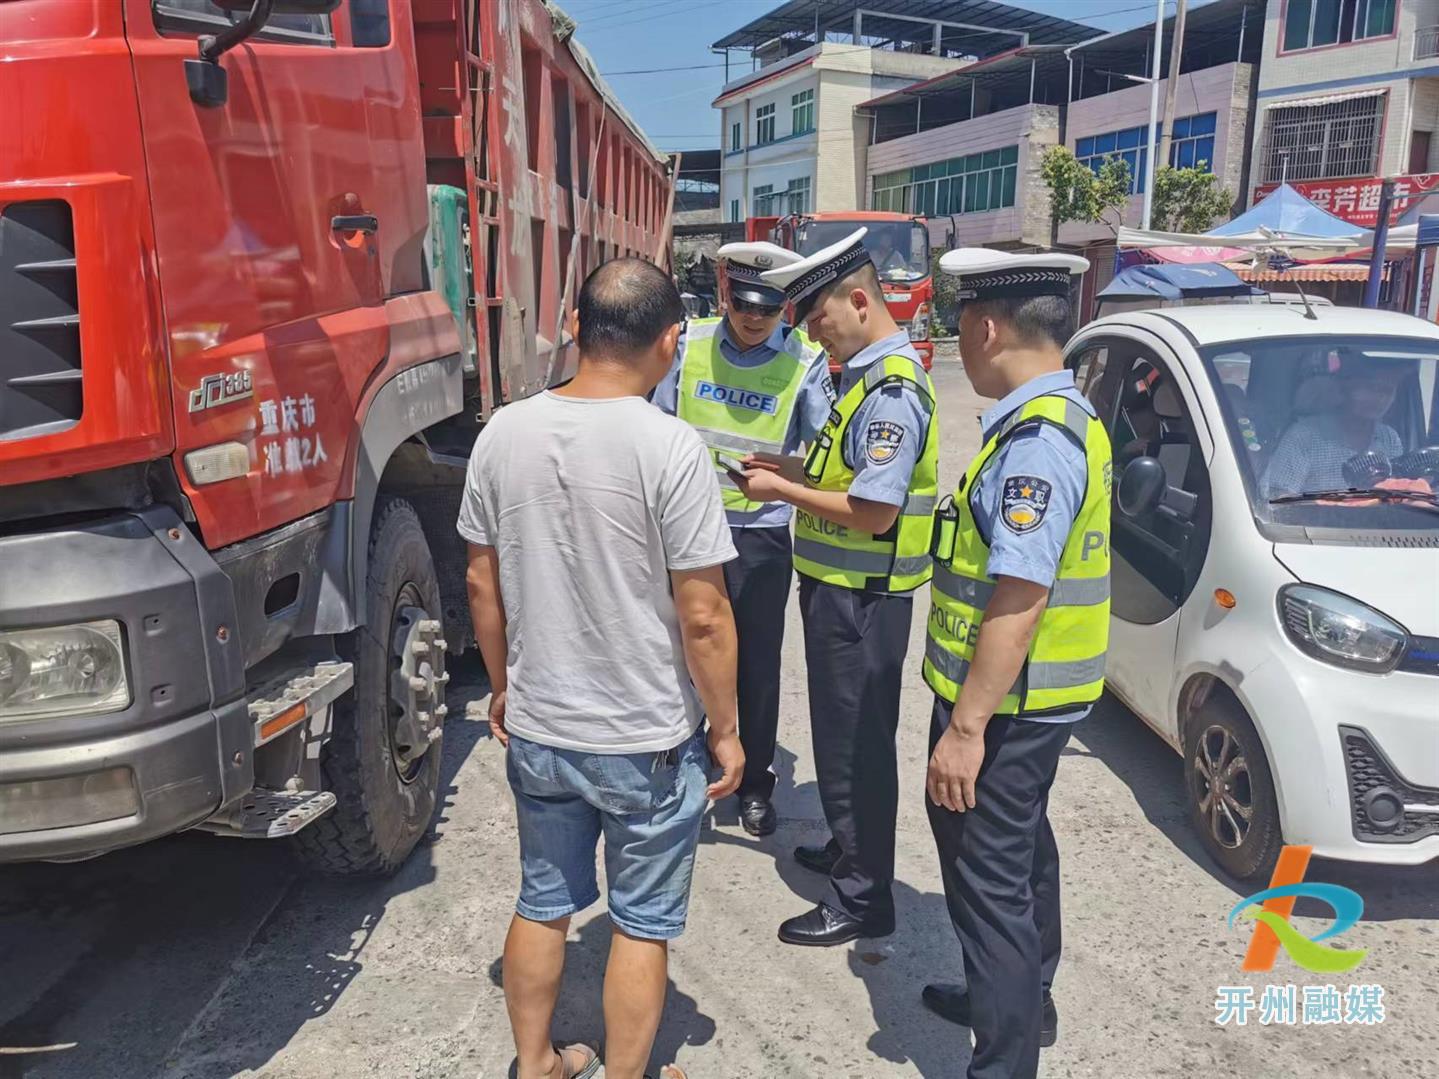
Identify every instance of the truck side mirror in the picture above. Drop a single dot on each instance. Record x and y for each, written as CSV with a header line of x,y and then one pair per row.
x,y
1141,486
209,83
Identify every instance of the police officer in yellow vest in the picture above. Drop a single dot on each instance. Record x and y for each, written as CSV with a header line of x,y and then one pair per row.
x,y
865,496
1018,626
750,384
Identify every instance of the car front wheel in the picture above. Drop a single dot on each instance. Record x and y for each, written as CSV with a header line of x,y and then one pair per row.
x,y
1230,790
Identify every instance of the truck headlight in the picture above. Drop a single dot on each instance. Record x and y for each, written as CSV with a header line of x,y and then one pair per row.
x,y
74,670
1335,629
919,325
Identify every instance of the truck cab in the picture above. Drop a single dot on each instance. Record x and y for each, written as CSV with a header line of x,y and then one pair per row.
x,y
899,245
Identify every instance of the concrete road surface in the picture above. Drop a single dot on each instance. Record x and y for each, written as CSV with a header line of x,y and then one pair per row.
x,y
206,957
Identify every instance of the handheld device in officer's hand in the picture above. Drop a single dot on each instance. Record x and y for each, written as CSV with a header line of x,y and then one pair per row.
x,y
730,464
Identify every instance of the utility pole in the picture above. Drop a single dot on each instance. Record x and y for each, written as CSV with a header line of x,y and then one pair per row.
x,y
1381,240
1153,111
1171,91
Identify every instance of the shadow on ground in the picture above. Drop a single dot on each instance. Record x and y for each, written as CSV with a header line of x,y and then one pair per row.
x,y
107,966
893,969
1154,774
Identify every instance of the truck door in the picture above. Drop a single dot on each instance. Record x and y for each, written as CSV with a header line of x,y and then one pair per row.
x,y
283,218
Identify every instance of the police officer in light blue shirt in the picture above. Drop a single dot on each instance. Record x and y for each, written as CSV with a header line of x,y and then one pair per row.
x,y
1032,498
743,380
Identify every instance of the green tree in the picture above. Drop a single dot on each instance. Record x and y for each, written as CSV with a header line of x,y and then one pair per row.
x,y
1077,193
1188,200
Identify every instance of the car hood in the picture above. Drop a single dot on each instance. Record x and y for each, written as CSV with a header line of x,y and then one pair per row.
x,y
1400,582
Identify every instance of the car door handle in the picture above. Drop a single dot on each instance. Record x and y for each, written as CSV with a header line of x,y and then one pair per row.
x,y
355,223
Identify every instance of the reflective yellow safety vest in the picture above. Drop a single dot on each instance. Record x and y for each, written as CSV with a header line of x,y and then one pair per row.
x,y
1065,666
740,410
897,560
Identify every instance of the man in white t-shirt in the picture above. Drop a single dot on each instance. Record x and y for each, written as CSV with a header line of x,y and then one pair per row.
x,y
597,540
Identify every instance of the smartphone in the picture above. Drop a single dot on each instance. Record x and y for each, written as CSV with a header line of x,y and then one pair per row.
x,y
731,463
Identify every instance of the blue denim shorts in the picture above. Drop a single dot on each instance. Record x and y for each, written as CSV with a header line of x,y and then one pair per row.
x,y
648,806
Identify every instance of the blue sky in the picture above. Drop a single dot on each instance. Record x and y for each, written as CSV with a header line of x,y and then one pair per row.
x,y
673,106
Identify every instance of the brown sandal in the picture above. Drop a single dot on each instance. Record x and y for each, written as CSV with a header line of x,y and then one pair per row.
x,y
672,1071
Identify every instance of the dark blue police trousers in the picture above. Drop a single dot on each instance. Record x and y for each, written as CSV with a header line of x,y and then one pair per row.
x,y
758,586
1000,867
854,648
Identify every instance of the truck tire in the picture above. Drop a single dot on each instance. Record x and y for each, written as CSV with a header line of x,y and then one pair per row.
x,y
384,801
1229,790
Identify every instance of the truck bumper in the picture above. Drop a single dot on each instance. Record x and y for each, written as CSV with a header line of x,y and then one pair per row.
x,y
76,786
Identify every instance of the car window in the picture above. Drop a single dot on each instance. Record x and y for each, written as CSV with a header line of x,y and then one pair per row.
x,y
1159,552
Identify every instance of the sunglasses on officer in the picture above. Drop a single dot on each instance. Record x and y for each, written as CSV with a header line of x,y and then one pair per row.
x,y
759,310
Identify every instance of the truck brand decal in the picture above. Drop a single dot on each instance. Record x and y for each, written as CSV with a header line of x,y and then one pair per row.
x,y
216,390
739,398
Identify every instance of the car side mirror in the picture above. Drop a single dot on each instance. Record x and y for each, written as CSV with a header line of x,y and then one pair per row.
x,y
1141,486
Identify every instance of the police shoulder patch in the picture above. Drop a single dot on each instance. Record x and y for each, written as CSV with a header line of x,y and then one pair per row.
x,y
1024,503
882,440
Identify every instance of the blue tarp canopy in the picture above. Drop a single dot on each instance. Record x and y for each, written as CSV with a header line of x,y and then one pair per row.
x,y
1176,281
1286,210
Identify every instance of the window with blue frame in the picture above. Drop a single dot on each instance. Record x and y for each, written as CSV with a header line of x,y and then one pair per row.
x,y
1131,145
975,183
1191,146
1192,142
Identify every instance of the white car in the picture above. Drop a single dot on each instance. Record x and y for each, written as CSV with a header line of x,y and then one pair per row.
x,y
1275,572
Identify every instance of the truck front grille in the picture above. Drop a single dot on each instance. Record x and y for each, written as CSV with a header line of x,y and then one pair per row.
x,y
40,379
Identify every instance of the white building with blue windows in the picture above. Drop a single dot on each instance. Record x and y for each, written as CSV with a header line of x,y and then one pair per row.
x,y
792,140
964,149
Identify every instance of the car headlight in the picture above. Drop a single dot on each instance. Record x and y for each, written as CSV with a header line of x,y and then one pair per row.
x,y
1336,629
74,670
919,325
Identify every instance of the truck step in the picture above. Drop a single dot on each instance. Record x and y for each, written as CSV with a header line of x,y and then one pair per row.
x,y
270,814
294,696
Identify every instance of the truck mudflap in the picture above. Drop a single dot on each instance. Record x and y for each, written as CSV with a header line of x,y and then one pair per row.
x,y
72,786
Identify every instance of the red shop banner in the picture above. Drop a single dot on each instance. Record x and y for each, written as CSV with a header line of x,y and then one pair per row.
x,y
1357,200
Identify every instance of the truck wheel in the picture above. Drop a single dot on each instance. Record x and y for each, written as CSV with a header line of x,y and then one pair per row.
x,y
1230,790
383,758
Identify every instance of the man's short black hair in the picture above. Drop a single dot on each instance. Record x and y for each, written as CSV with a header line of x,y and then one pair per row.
x,y
1036,320
864,277
625,305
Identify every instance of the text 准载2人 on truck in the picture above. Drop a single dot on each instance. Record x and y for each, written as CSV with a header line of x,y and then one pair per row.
x,y
899,246
260,285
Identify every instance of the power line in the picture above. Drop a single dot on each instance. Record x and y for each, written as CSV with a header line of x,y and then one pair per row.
x,y
654,70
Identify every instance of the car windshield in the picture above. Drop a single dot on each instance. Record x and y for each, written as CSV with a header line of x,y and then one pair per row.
x,y
900,249
1315,419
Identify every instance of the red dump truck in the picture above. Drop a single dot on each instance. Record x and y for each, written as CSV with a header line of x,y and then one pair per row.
x,y
899,245
266,267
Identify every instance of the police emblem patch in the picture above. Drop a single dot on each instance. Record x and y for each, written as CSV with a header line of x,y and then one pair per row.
x,y
882,440
1024,502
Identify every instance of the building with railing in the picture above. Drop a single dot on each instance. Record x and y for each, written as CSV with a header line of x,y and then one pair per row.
x,y
965,149
791,137
1348,94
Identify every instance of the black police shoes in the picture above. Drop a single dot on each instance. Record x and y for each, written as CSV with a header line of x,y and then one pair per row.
x,y
818,859
825,926
756,813
952,1002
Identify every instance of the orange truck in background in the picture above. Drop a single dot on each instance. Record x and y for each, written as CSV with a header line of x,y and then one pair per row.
x,y
266,269
899,245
